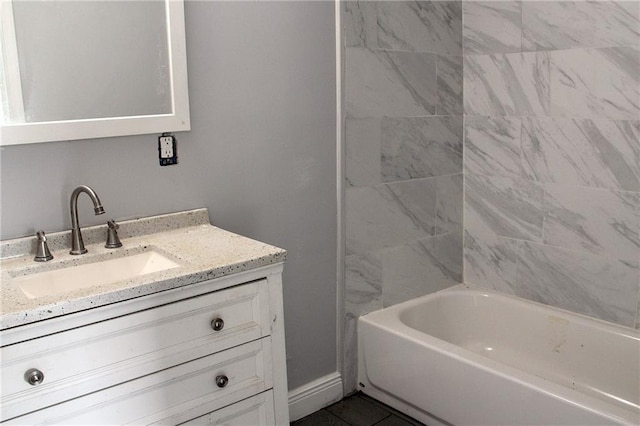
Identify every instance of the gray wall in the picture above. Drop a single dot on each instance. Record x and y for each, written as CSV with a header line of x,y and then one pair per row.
x,y
260,156
403,138
552,153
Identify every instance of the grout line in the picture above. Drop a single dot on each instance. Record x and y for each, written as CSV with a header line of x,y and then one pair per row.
x,y
337,417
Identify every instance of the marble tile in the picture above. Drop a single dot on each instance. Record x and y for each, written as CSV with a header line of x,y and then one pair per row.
x,y
638,310
420,147
598,153
548,25
492,27
617,23
599,221
420,268
363,283
504,207
420,26
360,23
449,197
596,83
490,261
350,358
450,85
492,146
569,24
507,84
363,294
389,215
362,151
592,285
385,83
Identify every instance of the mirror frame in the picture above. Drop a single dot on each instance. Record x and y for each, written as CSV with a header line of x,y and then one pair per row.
x,y
52,131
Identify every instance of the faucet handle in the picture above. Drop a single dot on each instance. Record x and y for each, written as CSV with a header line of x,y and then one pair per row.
x,y
42,249
113,241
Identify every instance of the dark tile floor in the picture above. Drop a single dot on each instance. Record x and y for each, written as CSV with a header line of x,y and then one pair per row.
x,y
357,410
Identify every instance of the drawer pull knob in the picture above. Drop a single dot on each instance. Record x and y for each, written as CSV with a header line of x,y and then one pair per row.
x,y
34,376
217,324
222,381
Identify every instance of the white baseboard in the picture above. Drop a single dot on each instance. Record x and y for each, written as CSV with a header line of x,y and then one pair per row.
x,y
315,395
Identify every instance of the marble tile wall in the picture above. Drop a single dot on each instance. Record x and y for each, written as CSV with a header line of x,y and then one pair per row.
x,y
404,155
551,158
552,153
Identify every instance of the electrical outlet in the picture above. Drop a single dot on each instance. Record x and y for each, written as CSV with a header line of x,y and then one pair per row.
x,y
167,149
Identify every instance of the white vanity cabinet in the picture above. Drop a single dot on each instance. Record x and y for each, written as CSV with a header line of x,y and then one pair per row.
x,y
205,353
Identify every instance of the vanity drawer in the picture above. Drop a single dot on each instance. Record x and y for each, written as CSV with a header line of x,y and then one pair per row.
x,y
93,357
254,411
170,396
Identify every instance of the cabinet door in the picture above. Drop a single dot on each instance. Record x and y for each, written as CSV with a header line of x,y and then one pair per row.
x,y
254,411
170,396
87,359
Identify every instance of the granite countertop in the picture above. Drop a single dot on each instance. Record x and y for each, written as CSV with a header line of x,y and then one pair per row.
x,y
203,251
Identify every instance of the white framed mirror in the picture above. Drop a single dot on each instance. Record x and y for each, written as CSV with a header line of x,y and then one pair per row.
x,y
77,69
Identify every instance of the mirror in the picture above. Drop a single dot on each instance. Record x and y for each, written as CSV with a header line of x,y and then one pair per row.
x,y
75,69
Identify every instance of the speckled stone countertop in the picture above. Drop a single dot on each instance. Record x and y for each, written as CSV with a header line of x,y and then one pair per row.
x,y
202,250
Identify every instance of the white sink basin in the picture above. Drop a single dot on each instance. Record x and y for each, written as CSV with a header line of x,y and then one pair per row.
x,y
93,274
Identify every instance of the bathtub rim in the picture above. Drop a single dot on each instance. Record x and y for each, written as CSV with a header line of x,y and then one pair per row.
x,y
467,289
388,320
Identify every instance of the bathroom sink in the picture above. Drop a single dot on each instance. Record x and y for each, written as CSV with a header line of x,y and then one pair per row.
x,y
92,274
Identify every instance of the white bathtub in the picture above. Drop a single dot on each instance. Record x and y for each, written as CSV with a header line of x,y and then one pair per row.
x,y
470,357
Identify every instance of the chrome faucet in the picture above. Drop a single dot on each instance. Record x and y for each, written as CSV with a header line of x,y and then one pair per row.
x,y
77,245
42,249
